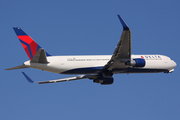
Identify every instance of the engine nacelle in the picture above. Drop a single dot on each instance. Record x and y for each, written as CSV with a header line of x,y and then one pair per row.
x,y
104,81
137,62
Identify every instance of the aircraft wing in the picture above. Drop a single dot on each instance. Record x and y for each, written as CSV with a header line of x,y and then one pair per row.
x,y
122,52
63,79
123,48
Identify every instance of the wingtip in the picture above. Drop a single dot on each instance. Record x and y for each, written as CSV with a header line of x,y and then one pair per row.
x,y
125,26
29,79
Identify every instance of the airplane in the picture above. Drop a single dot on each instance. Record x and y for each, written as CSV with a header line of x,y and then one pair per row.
x,y
99,68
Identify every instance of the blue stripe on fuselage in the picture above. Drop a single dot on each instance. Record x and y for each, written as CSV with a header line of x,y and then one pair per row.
x,y
89,70
95,70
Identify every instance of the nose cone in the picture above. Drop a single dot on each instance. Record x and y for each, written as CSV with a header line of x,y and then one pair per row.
x,y
174,64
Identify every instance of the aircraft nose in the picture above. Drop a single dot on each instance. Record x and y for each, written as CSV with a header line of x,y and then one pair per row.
x,y
174,64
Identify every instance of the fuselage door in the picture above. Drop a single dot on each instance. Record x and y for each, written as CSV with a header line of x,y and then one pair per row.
x,y
61,61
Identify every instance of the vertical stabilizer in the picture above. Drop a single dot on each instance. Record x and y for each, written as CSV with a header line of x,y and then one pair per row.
x,y
29,45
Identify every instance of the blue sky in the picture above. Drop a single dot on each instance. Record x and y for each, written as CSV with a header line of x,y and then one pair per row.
x,y
89,28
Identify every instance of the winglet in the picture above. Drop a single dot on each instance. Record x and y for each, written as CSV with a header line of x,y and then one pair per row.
x,y
125,26
29,79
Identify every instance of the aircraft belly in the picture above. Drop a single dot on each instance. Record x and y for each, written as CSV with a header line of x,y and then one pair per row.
x,y
138,70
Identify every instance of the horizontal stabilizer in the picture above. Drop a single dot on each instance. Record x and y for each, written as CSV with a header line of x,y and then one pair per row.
x,y
18,67
39,57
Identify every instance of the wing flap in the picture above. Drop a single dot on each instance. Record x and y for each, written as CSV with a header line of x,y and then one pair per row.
x,y
123,48
63,79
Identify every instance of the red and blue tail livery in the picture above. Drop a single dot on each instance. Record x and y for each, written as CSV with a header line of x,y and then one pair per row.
x,y
29,45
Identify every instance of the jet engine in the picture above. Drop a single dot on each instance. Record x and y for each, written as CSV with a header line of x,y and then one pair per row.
x,y
104,81
137,62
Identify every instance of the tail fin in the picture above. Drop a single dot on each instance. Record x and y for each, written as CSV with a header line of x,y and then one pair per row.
x,y
29,45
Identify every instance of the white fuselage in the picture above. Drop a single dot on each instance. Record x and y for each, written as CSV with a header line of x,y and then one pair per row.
x,y
90,64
